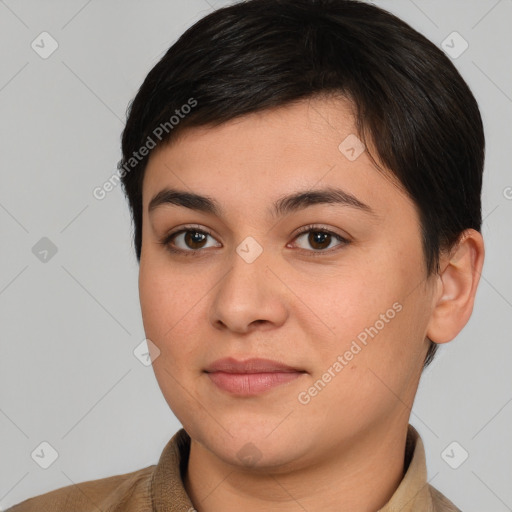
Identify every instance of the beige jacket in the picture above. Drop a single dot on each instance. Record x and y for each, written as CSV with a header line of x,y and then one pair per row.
x,y
159,488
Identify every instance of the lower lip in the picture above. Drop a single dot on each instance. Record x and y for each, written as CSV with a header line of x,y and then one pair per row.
x,y
250,384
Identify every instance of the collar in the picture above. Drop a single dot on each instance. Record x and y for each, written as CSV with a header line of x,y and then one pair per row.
x,y
169,494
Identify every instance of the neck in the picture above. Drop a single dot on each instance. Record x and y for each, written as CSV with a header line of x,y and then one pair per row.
x,y
359,476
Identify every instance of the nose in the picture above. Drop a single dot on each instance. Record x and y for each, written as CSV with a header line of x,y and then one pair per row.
x,y
249,297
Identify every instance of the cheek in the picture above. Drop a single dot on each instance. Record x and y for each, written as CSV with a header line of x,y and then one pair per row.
x,y
376,316
169,313
348,301
368,372
168,303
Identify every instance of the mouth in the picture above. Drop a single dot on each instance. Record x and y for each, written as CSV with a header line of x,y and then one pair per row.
x,y
250,377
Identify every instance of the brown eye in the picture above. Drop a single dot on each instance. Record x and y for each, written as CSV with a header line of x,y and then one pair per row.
x,y
320,240
189,241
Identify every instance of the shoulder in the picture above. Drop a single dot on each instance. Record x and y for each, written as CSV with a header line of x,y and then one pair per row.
x,y
127,492
440,502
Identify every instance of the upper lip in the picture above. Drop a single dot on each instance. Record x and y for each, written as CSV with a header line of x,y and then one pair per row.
x,y
255,365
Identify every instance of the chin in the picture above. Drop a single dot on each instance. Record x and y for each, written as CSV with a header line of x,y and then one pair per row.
x,y
254,446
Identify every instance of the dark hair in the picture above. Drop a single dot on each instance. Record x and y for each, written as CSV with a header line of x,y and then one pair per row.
x,y
409,99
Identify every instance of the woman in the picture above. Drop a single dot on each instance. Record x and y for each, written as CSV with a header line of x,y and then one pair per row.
x,y
304,178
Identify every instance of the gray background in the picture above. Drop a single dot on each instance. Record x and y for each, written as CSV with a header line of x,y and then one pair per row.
x,y
70,324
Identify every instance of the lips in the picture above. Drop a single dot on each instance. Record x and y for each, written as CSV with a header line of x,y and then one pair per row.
x,y
250,377
231,365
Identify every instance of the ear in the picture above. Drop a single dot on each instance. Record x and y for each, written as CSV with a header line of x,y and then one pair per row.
x,y
456,287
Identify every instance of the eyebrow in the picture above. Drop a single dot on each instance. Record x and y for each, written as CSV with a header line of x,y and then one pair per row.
x,y
282,206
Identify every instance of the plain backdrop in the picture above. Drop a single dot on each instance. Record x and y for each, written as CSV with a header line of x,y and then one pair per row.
x,y
69,311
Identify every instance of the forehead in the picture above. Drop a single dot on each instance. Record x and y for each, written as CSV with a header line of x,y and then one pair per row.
x,y
264,155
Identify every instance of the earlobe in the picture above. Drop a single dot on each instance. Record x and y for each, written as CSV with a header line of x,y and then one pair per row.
x,y
457,284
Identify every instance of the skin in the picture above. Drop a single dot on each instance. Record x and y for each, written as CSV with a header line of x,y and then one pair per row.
x,y
344,449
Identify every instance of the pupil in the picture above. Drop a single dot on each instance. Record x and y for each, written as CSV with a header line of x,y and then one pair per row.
x,y
195,235
317,237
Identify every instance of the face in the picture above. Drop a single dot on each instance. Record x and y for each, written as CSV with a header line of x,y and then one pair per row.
x,y
335,290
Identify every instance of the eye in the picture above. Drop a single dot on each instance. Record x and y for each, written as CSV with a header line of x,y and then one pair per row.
x,y
320,239
191,238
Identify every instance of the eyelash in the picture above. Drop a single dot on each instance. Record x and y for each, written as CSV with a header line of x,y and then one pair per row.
x,y
197,252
